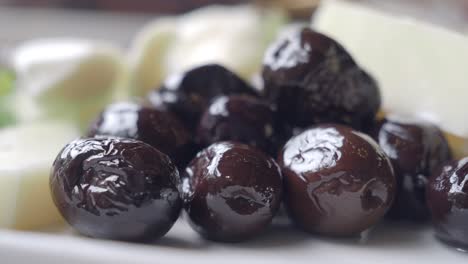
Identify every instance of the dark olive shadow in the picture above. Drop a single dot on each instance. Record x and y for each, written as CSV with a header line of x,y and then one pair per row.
x,y
385,235
168,241
388,235
281,234
457,248
182,236
178,243
397,234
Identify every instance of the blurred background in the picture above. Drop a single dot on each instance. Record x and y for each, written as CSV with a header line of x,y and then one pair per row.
x,y
177,6
118,20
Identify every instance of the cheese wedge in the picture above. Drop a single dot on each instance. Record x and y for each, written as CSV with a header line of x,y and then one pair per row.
x,y
235,37
421,68
27,152
148,53
69,79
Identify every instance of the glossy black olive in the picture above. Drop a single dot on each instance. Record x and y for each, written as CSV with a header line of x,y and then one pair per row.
x,y
338,182
231,192
314,80
160,129
188,95
116,188
447,197
240,118
416,150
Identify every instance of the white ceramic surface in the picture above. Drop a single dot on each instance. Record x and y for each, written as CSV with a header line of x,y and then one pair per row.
x,y
389,244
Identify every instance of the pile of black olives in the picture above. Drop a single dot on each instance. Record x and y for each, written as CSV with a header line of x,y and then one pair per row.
x,y
229,155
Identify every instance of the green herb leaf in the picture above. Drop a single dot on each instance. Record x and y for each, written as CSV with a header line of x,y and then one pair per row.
x,y
6,82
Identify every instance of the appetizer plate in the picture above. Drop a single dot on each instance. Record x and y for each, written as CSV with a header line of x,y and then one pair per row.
x,y
389,243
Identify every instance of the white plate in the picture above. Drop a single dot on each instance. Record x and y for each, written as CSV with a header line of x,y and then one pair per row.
x,y
392,244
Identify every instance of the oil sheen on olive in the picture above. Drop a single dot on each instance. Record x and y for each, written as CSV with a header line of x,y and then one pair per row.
x,y
116,188
338,182
160,129
240,118
231,192
447,197
416,150
188,95
313,80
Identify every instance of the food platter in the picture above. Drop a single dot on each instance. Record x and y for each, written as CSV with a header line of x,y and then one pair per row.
x,y
387,242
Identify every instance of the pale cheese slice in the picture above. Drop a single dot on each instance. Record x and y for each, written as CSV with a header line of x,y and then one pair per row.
x,y
148,53
27,152
235,37
66,78
421,68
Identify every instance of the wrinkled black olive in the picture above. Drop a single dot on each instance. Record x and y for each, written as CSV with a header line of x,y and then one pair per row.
x,y
115,188
447,197
160,129
231,191
314,80
416,150
338,182
240,118
188,95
